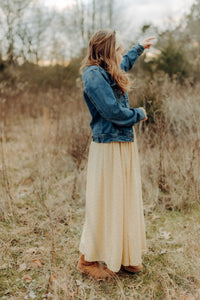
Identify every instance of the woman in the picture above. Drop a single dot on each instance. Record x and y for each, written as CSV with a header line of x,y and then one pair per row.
x,y
114,229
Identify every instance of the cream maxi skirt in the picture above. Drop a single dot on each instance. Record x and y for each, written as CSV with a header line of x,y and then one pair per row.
x,y
114,227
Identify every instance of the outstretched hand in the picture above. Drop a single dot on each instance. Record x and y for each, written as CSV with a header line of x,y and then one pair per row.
x,y
147,43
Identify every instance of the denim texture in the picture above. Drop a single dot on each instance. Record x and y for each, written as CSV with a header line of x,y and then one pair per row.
x,y
112,117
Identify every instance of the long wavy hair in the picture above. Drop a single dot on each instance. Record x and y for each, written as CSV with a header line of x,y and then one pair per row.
x,y
101,51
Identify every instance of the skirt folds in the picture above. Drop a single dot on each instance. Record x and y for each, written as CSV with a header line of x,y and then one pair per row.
x,y
114,227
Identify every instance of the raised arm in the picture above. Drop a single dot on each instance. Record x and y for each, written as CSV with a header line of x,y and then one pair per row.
x,y
100,93
130,58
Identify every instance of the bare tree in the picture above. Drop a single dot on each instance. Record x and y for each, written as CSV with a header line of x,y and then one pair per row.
x,y
12,11
93,14
110,11
33,32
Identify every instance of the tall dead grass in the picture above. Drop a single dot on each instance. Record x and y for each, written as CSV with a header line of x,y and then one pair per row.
x,y
169,142
170,147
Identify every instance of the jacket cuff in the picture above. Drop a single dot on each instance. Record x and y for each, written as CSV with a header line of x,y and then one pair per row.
x,y
140,114
139,48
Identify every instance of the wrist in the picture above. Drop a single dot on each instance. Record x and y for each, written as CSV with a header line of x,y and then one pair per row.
x,y
141,112
144,114
139,48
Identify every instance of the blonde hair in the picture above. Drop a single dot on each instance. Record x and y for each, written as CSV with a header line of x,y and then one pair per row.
x,y
102,52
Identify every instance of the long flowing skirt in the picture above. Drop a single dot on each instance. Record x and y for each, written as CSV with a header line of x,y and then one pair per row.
x,y
114,227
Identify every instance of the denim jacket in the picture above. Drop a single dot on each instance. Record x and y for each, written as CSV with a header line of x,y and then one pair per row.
x,y
112,116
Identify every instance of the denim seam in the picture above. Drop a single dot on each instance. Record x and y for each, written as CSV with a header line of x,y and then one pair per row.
x,y
97,108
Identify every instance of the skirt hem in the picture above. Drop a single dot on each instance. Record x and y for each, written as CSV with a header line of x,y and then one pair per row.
x,y
110,267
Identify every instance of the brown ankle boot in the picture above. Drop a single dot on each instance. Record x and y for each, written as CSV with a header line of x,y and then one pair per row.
x,y
94,269
133,269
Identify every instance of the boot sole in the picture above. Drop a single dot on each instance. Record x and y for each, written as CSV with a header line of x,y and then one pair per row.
x,y
133,270
106,276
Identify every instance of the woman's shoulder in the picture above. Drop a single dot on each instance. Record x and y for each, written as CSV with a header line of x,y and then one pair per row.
x,y
94,71
93,67
89,71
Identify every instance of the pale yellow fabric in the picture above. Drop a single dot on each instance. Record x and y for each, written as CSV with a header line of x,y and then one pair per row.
x,y
114,227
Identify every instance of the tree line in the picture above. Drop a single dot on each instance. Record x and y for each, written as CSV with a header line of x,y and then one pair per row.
x,y
34,34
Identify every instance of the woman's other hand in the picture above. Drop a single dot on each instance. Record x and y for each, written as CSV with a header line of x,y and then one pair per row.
x,y
147,43
144,113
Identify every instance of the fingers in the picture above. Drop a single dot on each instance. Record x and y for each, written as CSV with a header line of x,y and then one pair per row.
x,y
149,45
145,119
151,38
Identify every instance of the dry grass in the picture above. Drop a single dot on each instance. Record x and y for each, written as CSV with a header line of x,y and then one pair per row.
x,y
43,159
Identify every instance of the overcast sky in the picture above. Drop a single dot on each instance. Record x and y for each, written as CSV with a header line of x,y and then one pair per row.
x,y
157,11
133,14
139,12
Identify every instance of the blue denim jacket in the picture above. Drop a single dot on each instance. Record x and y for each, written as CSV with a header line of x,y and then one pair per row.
x,y
112,116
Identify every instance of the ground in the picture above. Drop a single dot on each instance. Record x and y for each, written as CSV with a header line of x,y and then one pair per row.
x,y
41,227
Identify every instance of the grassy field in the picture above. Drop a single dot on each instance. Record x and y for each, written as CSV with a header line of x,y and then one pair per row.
x,y
43,160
